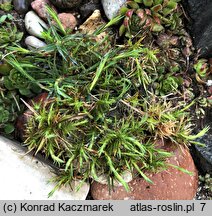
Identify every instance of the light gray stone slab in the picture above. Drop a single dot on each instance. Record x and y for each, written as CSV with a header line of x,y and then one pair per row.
x,y
24,177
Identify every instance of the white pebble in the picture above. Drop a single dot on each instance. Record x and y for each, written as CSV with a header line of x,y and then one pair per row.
x,y
112,7
34,43
34,24
209,83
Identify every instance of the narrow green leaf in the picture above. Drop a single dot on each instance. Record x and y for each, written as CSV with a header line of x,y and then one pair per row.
x,y
99,71
53,14
116,174
200,134
68,163
181,169
54,157
141,173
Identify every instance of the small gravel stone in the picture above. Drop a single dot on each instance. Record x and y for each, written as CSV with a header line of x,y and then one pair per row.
x,y
111,7
209,83
34,43
21,6
66,4
39,6
68,20
34,24
88,8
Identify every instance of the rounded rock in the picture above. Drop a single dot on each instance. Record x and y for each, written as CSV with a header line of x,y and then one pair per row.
x,y
21,6
25,117
66,4
39,6
112,7
68,20
34,24
171,184
89,7
34,43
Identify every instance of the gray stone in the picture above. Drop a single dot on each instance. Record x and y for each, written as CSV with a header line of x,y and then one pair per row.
x,y
88,8
203,155
66,4
34,43
34,24
24,177
21,6
201,24
112,7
